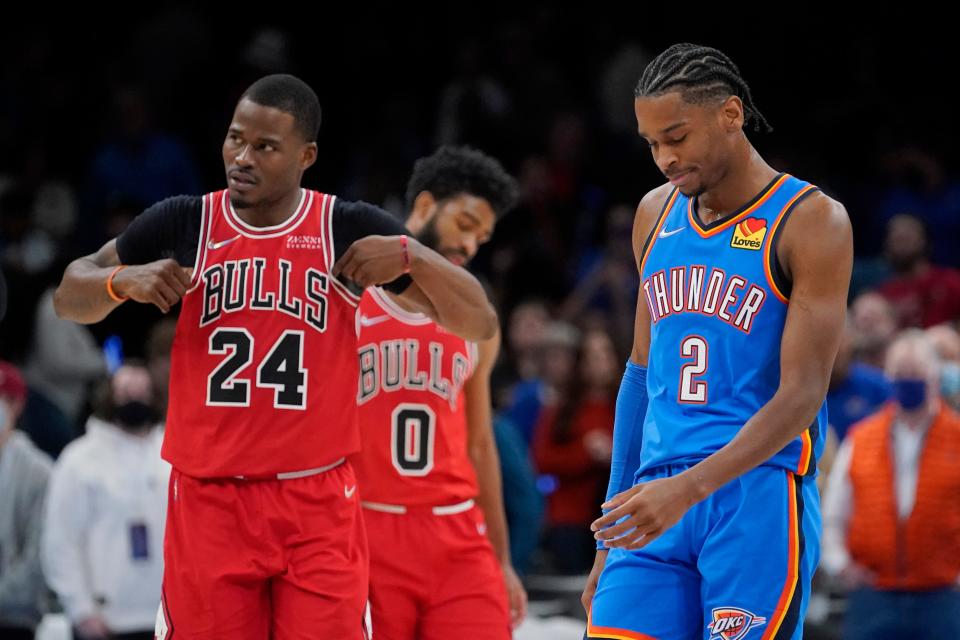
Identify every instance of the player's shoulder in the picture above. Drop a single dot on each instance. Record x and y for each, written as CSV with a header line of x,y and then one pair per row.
x,y
815,206
649,209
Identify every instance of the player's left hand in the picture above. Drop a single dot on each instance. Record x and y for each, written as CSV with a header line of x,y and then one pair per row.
x,y
374,260
647,510
516,595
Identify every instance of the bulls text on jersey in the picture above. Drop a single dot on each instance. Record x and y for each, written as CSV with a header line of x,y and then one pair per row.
x,y
234,285
392,365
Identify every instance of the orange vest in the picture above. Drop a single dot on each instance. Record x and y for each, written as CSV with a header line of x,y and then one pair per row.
x,y
923,551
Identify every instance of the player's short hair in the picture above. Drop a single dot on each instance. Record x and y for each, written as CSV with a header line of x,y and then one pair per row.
x,y
291,95
702,75
452,171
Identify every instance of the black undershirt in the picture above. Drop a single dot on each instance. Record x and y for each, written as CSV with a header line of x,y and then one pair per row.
x,y
171,229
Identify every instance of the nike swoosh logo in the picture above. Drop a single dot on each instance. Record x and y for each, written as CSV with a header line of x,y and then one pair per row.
x,y
213,246
348,493
666,234
369,322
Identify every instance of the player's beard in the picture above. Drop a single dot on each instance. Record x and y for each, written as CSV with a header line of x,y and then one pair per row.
x,y
429,237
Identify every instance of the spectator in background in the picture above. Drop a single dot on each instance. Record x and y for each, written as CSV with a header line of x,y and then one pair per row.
x,y
856,389
64,360
102,546
556,358
608,279
922,294
159,344
522,501
137,166
572,443
875,324
891,514
24,471
946,341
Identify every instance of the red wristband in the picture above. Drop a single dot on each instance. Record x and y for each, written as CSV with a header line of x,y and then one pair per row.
x,y
406,253
113,294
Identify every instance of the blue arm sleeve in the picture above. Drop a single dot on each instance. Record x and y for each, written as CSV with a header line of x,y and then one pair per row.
x,y
627,430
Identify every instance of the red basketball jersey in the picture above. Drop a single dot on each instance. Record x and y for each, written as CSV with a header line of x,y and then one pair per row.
x,y
413,422
263,370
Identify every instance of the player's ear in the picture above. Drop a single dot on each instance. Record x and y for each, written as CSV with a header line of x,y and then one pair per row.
x,y
731,114
424,206
308,155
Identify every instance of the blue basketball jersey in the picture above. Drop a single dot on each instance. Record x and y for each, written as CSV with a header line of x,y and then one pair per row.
x,y
718,302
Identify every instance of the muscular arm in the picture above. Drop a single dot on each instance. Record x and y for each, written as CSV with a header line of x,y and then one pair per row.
x,y
155,244
369,252
483,451
819,265
450,295
486,463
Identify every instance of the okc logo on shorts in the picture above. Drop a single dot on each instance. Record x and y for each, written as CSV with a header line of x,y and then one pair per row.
x,y
731,623
749,234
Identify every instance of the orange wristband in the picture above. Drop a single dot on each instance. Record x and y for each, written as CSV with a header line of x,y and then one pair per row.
x,y
113,294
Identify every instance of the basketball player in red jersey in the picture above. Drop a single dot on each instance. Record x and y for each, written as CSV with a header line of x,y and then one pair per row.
x,y
438,561
265,537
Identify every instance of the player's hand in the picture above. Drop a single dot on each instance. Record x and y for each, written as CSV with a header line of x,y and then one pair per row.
x,y
93,627
516,595
647,510
591,587
374,260
162,283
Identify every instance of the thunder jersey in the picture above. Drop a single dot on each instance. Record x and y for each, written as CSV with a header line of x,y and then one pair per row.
x,y
263,368
718,302
412,413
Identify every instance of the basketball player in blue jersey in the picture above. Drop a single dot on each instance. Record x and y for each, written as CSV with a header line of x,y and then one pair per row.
x,y
712,522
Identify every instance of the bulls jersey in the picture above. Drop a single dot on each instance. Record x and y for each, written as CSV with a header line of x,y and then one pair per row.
x,y
411,407
266,338
718,303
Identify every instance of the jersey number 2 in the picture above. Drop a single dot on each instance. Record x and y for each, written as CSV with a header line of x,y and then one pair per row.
x,y
281,370
412,431
692,390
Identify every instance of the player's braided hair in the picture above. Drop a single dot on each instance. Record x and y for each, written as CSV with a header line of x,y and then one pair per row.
x,y
701,74
451,171
291,95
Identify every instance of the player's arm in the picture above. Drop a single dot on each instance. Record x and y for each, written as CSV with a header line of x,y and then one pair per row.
x,y
374,253
631,400
486,462
817,252
150,278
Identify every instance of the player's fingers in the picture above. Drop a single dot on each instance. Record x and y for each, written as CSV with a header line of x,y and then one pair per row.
x,y
615,530
621,497
185,276
612,516
173,281
644,539
343,260
168,295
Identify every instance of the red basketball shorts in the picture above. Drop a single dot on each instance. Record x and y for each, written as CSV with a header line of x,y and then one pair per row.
x,y
264,558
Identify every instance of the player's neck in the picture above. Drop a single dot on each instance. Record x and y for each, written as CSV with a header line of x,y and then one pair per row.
x,y
744,180
270,214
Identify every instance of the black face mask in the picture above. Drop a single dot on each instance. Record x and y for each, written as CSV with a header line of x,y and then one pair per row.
x,y
134,415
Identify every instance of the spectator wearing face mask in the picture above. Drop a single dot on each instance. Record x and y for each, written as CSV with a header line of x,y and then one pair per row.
x,y
102,548
891,513
946,340
24,472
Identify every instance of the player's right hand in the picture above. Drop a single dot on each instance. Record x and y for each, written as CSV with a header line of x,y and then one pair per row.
x,y
161,283
591,587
